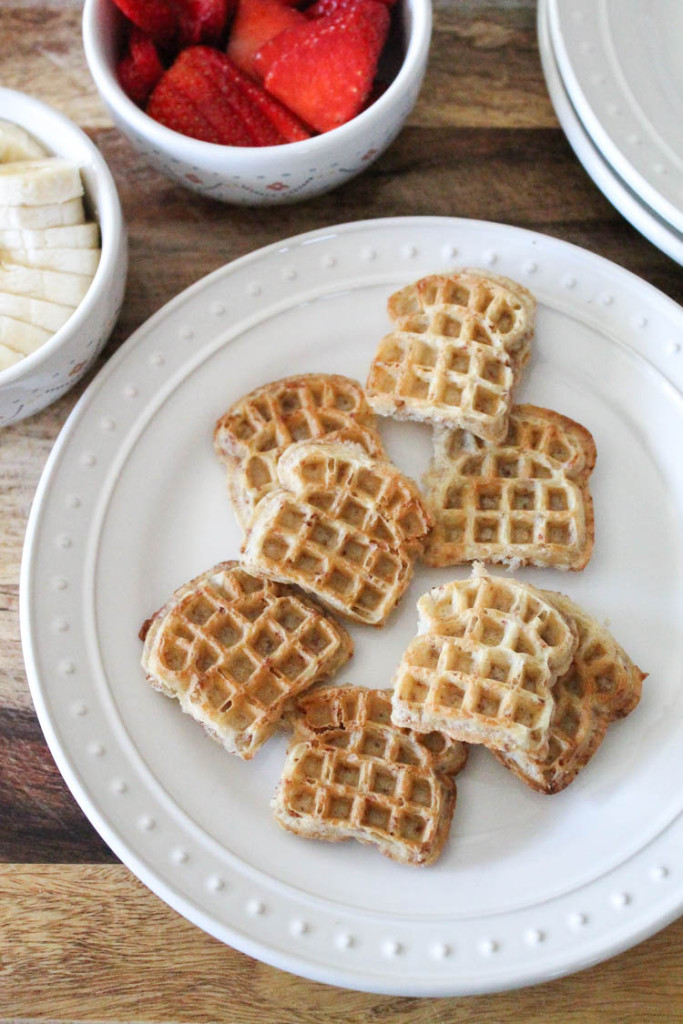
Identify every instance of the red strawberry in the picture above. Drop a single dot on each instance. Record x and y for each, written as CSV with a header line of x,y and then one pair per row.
x,y
257,21
171,107
242,91
140,68
202,21
156,17
204,95
321,8
323,71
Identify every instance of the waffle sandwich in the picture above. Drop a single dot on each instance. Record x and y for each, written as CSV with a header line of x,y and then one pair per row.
x,y
341,525
235,649
483,667
252,435
601,685
455,354
350,774
525,501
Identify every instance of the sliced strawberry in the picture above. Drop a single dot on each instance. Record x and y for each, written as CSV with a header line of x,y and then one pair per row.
x,y
257,21
171,107
321,8
324,70
206,96
140,68
202,21
155,17
288,125
256,106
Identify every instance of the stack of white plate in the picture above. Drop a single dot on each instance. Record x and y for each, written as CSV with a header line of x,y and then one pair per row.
x,y
614,71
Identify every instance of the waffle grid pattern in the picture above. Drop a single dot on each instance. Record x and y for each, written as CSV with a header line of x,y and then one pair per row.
x,y
515,502
602,684
366,779
253,434
484,669
234,649
348,534
458,346
440,362
498,302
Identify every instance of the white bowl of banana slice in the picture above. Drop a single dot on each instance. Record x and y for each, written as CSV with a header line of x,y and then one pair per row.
x,y
63,255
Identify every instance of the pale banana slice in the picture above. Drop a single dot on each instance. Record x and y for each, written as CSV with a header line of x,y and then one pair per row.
x,y
37,218
73,261
17,144
73,236
8,357
21,337
38,182
49,315
52,285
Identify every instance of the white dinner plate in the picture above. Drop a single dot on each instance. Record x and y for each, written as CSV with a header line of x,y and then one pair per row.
x,y
133,503
623,198
621,64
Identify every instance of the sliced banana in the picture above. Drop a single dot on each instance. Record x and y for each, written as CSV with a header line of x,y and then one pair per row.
x,y
49,315
21,337
75,236
8,357
48,252
38,218
37,182
73,261
52,285
17,144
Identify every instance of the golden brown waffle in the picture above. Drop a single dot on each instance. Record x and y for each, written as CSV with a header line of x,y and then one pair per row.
x,y
602,684
341,525
351,774
459,344
483,669
234,649
523,502
254,432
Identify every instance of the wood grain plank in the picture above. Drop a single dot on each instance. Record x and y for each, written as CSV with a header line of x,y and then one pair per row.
x,y
41,822
82,943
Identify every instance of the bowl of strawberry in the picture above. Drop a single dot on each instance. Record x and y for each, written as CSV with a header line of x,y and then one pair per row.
x,y
258,101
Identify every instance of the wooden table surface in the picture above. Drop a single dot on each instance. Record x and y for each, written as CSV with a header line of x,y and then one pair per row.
x,y
80,937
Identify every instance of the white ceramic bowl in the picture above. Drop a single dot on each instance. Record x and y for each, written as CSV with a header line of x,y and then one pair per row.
x,y
269,174
54,368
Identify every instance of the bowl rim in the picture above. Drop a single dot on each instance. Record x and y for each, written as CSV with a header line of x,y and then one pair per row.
x,y
169,140
109,217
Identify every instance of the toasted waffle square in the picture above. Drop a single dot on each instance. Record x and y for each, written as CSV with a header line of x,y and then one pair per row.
x,y
252,435
350,774
342,526
234,649
525,501
601,685
484,666
455,355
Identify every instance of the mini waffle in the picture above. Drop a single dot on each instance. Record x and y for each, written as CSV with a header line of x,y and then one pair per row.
x,y
341,525
234,649
484,668
455,355
350,774
523,502
602,684
254,432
